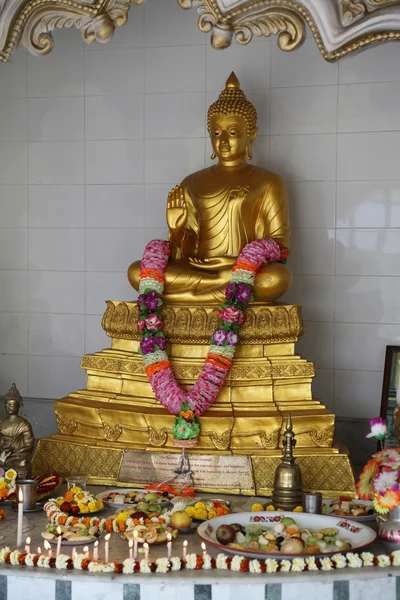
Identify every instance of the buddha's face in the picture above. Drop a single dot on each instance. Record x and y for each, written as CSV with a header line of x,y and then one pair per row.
x,y
12,407
229,137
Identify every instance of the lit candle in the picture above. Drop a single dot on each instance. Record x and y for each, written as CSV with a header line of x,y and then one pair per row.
x,y
184,550
86,551
146,551
131,548
39,550
48,548
169,545
20,517
28,545
59,541
135,543
204,548
96,552
106,547
73,553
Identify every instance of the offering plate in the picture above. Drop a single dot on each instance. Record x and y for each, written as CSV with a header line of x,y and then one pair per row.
x,y
358,534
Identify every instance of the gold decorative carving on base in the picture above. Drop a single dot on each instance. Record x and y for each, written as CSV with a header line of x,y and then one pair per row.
x,y
329,474
263,325
267,380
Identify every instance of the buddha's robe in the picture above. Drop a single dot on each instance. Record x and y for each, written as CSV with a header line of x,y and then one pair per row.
x,y
16,436
226,211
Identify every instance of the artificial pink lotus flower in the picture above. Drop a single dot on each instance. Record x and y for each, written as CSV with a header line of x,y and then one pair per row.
x,y
378,428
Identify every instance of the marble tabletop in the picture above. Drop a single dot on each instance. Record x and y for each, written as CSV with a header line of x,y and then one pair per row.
x,y
34,523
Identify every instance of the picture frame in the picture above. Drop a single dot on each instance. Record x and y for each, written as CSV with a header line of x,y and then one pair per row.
x,y
391,382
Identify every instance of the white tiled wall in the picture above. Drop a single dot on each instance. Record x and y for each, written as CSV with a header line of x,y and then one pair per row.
x,y
93,137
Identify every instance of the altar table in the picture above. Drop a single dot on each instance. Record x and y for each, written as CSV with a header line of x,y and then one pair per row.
x,y
20,583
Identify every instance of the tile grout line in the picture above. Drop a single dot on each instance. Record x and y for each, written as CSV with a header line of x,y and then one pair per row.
x,y
28,224
335,244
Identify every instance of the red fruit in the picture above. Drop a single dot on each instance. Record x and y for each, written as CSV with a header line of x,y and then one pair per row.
x,y
65,507
75,509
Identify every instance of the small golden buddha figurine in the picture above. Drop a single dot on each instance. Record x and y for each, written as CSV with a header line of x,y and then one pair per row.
x,y
215,212
16,436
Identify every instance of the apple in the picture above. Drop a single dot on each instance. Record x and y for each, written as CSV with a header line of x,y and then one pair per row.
x,y
225,534
139,515
180,520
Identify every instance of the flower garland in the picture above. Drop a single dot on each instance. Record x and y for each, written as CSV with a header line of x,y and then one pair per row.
x,y
224,340
118,524
196,562
380,480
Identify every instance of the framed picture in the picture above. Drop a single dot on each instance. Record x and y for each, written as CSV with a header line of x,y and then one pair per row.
x,y
390,389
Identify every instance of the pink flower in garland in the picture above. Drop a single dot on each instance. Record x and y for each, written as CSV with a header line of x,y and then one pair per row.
x,y
153,323
152,343
230,291
156,256
243,293
232,338
219,337
150,300
140,324
147,345
231,314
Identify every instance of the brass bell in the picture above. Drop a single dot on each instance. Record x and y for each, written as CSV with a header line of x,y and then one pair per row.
x,y
288,484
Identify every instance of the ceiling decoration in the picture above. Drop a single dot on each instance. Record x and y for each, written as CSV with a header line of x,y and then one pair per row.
x,y
338,26
31,22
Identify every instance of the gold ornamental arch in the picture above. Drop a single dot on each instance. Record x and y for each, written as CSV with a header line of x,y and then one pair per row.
x,y
339,27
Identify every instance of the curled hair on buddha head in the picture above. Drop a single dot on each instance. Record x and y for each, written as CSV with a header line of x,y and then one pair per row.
x,y
13,394
232,101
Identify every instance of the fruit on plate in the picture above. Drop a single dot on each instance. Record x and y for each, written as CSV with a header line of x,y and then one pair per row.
x,y
152,533
226,534
284,537
77,501
180,520
75,533
347,507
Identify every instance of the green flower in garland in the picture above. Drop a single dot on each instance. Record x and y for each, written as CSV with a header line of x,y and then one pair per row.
x,y
186,426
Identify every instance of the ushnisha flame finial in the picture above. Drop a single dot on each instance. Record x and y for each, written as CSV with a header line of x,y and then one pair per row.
x,y
232,82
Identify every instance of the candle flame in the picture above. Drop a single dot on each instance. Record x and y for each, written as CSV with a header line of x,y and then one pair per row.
x,y
203,546
135,534
20,495
107,537
130,543
59,530
185,543
169,536
39,550
96,544
145,546
47,545
86,549
28,540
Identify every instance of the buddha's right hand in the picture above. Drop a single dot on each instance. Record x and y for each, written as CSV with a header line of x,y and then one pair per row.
x,y
177,211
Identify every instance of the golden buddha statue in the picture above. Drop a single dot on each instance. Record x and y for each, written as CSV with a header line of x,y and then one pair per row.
x,y
16,436
211,216
215,212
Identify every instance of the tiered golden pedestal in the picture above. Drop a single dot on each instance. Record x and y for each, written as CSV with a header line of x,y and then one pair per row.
x,y
118,409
